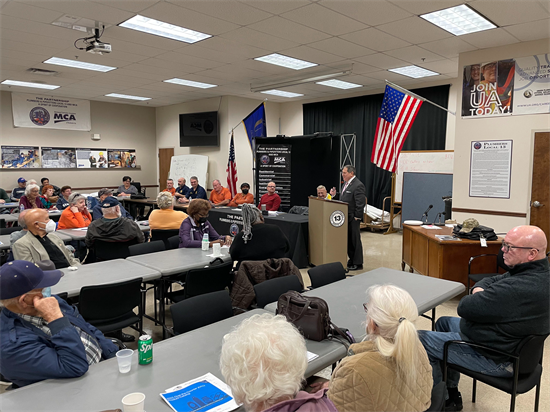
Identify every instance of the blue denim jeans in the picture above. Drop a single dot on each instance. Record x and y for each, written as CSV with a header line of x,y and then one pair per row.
x,y
447,328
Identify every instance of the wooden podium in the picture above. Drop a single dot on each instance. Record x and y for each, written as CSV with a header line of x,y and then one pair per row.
x,y
328,231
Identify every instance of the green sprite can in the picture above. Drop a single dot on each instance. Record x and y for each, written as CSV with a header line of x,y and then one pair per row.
x,y
145,348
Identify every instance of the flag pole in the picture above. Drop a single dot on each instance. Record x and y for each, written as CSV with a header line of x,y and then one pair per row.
x,y
417,96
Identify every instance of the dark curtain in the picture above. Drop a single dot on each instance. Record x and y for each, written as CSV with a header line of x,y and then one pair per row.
x,y
359,115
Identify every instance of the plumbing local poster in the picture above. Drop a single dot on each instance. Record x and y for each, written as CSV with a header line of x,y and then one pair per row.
x,y
50,112
91,158
59,157
532,85
16,157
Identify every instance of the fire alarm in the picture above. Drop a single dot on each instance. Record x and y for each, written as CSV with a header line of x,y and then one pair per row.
x,y
96,136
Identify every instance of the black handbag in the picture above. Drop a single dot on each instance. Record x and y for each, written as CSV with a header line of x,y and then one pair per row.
x,y
310,315
477,233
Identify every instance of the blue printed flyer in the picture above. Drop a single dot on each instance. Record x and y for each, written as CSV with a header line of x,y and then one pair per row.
x,y
206,393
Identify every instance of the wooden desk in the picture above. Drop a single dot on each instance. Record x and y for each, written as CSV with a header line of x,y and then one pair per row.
x,y
428,255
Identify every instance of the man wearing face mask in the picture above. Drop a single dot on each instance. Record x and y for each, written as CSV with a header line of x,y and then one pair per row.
x,y
40,243
112,227
41,336
242,198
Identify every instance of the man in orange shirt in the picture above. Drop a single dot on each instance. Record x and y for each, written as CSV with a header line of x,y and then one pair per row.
x,y
170,187
242,198
220,196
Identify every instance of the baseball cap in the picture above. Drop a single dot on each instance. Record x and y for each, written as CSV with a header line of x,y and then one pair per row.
x,y
468,225
21,180
105,191
19,277
109,202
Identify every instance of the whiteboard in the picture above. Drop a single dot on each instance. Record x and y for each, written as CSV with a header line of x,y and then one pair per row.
x,y
189,165
429,161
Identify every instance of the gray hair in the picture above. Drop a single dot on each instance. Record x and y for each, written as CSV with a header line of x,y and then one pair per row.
x,y
164,200
31,187
109,210
21,219
194,178
75,197
170,180
351,169
105,191
32,182
251,216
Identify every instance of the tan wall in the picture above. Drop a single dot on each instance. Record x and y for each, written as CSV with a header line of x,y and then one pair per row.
x,y
518,128
120,126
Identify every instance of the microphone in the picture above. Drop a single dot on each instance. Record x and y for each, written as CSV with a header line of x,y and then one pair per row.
x,y
439,215
426,214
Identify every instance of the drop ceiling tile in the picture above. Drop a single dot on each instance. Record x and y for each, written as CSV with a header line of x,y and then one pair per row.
x,y
134,6
259,39
29,40
276,6
450,47
230,10
215,55
382,61
73,54
234,69
505,13
137,91
545,4
39,49
286,29
425,6
152,77
263,67
237,48
170,13
130,47
490,38
38,29
371,13
390,76
86,9
116,33
28,12
535,30
188,62
415,30
341,47
219,73
324,19
375,39
20,55
311,55
442,66
414,55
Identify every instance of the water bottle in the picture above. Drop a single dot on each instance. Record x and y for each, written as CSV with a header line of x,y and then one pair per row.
x,y
205,242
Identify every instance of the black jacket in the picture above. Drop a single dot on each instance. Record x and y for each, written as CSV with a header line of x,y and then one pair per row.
x,y
113,230
268,241
355,197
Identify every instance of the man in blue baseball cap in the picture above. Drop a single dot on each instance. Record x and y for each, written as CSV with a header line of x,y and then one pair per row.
x,y
41,336
19,191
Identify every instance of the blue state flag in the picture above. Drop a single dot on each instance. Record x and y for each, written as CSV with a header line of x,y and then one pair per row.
x,y
255,125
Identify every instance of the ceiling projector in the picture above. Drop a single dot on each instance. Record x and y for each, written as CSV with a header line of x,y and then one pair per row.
x,y
98,47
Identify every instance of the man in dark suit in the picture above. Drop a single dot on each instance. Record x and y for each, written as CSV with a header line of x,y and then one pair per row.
x,y
353,193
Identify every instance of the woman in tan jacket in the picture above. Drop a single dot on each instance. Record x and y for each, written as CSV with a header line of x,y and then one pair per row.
x,y
390,370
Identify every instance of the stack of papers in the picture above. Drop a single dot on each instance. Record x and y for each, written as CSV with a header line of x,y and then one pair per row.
x,y
430,227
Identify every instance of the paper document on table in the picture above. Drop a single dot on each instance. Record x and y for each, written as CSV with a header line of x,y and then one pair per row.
x,y
311,356
206,393
449,225
81,228
430,227
446,237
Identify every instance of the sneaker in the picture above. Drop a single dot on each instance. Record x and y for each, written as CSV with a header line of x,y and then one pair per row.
x,y
456,398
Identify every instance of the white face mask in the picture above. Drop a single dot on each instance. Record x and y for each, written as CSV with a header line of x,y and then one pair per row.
x,y
50,226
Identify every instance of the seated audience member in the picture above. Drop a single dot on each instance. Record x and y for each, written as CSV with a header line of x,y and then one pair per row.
x,y
322,193
19,191
244,197
40,243
104,194
127,188
48,199
46,182
41,336
500,312
31,198
166,217
271,200
15,236
4,198
112,227
263,361
170,187
257,240
63,201
220,196
196,191
76,215
390,370
196,225
182,191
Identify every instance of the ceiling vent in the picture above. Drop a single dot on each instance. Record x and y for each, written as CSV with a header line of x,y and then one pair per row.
x,y
42,72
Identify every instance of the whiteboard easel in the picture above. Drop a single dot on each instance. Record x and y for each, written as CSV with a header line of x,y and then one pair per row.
x,y
189,165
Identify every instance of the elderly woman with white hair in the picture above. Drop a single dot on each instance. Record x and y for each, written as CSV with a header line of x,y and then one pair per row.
x,y
166,218
263,361
390,369
31,198
76,215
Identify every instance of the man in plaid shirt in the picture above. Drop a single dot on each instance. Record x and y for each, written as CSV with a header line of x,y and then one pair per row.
x,y
41,336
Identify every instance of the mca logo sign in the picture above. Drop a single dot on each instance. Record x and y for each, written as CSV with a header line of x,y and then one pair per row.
x,y
234,229
39,116
264,159
59,117
280,160
477,145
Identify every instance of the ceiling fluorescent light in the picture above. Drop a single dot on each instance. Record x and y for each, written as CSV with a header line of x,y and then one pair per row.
x,y
413,71
190,83
282,93
162,29
79,65
127,96
29,84
339,84
285,61
296,82
459,20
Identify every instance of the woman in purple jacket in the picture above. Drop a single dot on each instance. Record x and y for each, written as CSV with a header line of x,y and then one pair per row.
x,y
263,361
196,225
31,198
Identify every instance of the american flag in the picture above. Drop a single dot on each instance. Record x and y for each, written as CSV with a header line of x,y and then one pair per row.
x,y
232,169
394,122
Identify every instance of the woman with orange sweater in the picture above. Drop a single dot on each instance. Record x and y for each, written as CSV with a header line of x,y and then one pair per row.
x,y
76,215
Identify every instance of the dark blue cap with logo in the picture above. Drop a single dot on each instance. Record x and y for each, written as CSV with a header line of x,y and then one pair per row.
x,y
20,277
21,180
109,202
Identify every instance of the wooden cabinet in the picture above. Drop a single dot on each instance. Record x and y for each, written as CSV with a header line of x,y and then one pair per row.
x,y
429,256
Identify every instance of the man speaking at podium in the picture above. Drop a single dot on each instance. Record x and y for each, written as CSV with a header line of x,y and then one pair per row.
x,y
353,193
